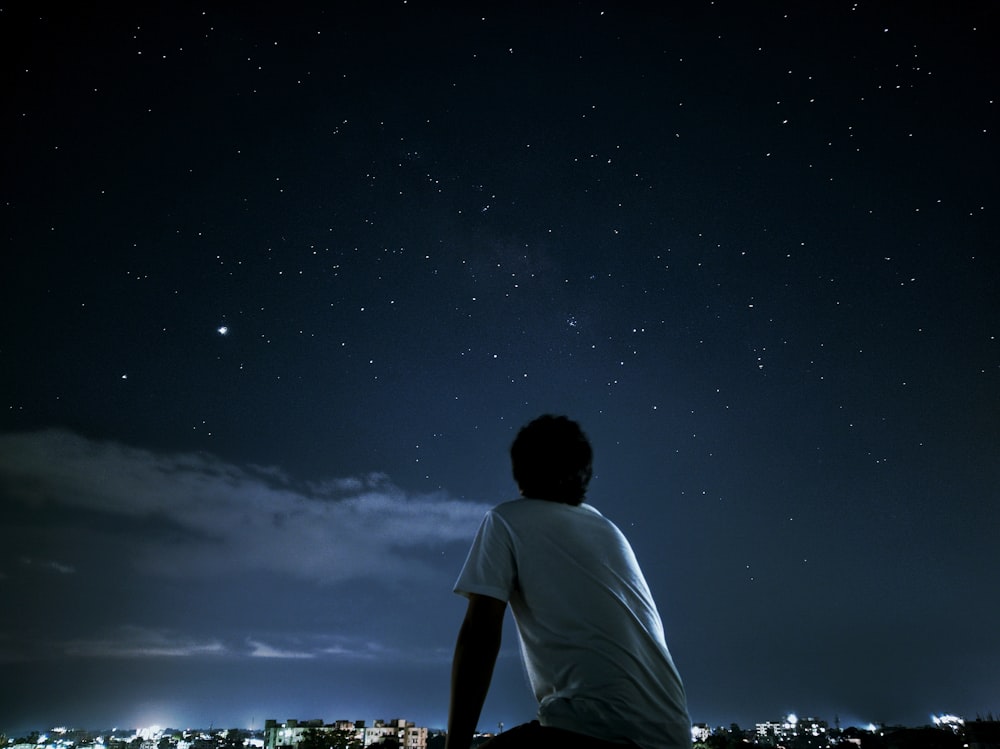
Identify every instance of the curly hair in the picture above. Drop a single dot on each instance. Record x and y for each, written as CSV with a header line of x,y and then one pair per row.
x,y
552,459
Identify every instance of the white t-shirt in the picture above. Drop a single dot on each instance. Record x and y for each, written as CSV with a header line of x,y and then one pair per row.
x,y
591,636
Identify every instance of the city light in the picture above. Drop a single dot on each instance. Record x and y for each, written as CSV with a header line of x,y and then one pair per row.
x,y
150,733
953,722
806,732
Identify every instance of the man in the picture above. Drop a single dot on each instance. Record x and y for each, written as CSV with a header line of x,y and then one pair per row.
x,y
591,638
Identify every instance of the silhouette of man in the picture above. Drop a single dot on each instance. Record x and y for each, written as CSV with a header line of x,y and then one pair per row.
x,y
591,638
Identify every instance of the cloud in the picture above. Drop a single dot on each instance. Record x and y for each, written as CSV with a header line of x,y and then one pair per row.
x,y
262,650
132,642
343,648
199,516
48,565
359,649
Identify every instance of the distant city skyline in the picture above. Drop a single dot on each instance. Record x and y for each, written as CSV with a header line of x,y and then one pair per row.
x,y
941,720
948,730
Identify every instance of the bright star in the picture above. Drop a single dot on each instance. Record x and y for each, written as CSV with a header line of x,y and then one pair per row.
x,y
223,330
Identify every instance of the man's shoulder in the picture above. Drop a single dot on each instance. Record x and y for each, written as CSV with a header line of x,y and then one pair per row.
x,y
525,507
512,510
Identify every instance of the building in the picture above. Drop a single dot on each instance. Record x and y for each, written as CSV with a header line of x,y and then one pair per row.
x,y
802,732
768,731
396,732
700,732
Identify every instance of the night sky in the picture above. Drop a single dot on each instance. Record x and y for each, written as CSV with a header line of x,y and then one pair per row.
x,y
281,281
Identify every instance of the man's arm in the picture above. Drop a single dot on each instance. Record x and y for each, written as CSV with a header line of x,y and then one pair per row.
x,y
472,668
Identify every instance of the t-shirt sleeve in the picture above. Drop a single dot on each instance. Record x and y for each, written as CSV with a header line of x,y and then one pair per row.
x,y
490,569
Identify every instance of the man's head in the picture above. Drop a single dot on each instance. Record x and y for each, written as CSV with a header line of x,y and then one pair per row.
x,y
552,459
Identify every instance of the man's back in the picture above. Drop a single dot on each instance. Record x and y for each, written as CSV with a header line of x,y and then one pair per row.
x,y
592,639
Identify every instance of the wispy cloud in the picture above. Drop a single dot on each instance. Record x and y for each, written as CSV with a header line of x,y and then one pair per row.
x,y
346,648
230,519
359,649
48,565
263,650
133,642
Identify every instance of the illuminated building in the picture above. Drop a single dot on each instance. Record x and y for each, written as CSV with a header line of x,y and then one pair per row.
x,y
397,732
807,731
